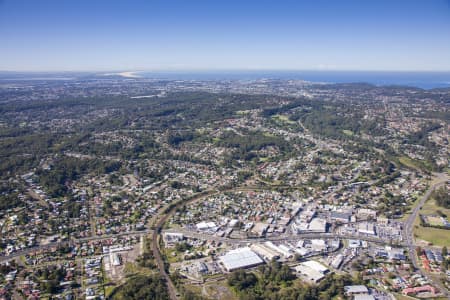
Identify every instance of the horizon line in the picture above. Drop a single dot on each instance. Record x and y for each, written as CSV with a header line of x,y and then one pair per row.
x,y
117,71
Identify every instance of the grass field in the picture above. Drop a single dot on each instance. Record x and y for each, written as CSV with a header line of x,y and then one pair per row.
x,y
430,208
438,237
434,221
347,132
283,119
213,290
411,163
402,297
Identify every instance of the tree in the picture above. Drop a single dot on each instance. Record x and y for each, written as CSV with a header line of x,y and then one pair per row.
x,y
442,197
143,287
242,280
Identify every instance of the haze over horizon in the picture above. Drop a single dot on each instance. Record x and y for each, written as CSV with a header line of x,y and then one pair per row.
x,y
177,35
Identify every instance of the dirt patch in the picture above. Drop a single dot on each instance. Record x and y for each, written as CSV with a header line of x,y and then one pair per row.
x,y
218,290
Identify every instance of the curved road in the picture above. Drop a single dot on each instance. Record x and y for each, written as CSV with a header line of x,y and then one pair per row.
x,y
164,216
442,178
409,226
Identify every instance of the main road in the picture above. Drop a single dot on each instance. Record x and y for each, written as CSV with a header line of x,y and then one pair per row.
x,y
283,238
161,218
441,179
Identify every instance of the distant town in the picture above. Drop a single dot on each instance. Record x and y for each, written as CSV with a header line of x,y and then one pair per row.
x,y
222,189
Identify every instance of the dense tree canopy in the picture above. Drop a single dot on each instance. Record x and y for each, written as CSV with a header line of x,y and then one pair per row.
x,y
142,288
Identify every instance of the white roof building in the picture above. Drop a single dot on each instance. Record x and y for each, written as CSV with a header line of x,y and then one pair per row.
x,y
311,271
364,297
115,259
354,243
233,223
285,251
172,237
302,251
265,252
260,228
315,265
206,226
337,261
366,228
317,225
240,258
356,290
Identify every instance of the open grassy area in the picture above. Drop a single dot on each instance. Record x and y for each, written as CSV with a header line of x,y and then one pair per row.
x,y
347,132
219,290
438,237
282,119
242,112
430,208
413,163
402,297
108,290
264,159
408,162
134,269
172,255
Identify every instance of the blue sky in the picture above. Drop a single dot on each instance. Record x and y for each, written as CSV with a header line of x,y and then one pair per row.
x,y
81,35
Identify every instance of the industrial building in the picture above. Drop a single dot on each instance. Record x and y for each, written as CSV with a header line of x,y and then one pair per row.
x,y
337,261
240,258
265,252
311,270
115,259
352,290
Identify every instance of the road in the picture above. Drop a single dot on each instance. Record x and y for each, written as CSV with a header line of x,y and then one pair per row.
x,y
409,227
442,178
280,238
173,294
72,241
164,215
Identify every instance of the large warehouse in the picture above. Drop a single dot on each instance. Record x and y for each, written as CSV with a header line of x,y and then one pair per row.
x,y
240,258
311,271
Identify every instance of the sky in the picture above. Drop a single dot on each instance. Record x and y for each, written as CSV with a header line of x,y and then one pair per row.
x,y
132,35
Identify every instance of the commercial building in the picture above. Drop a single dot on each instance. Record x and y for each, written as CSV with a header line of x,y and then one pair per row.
x,y
172,238
316,225
366,228
260,229
206,226
343,217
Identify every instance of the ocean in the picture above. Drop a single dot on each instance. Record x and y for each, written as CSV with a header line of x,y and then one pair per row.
x,y
424,80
